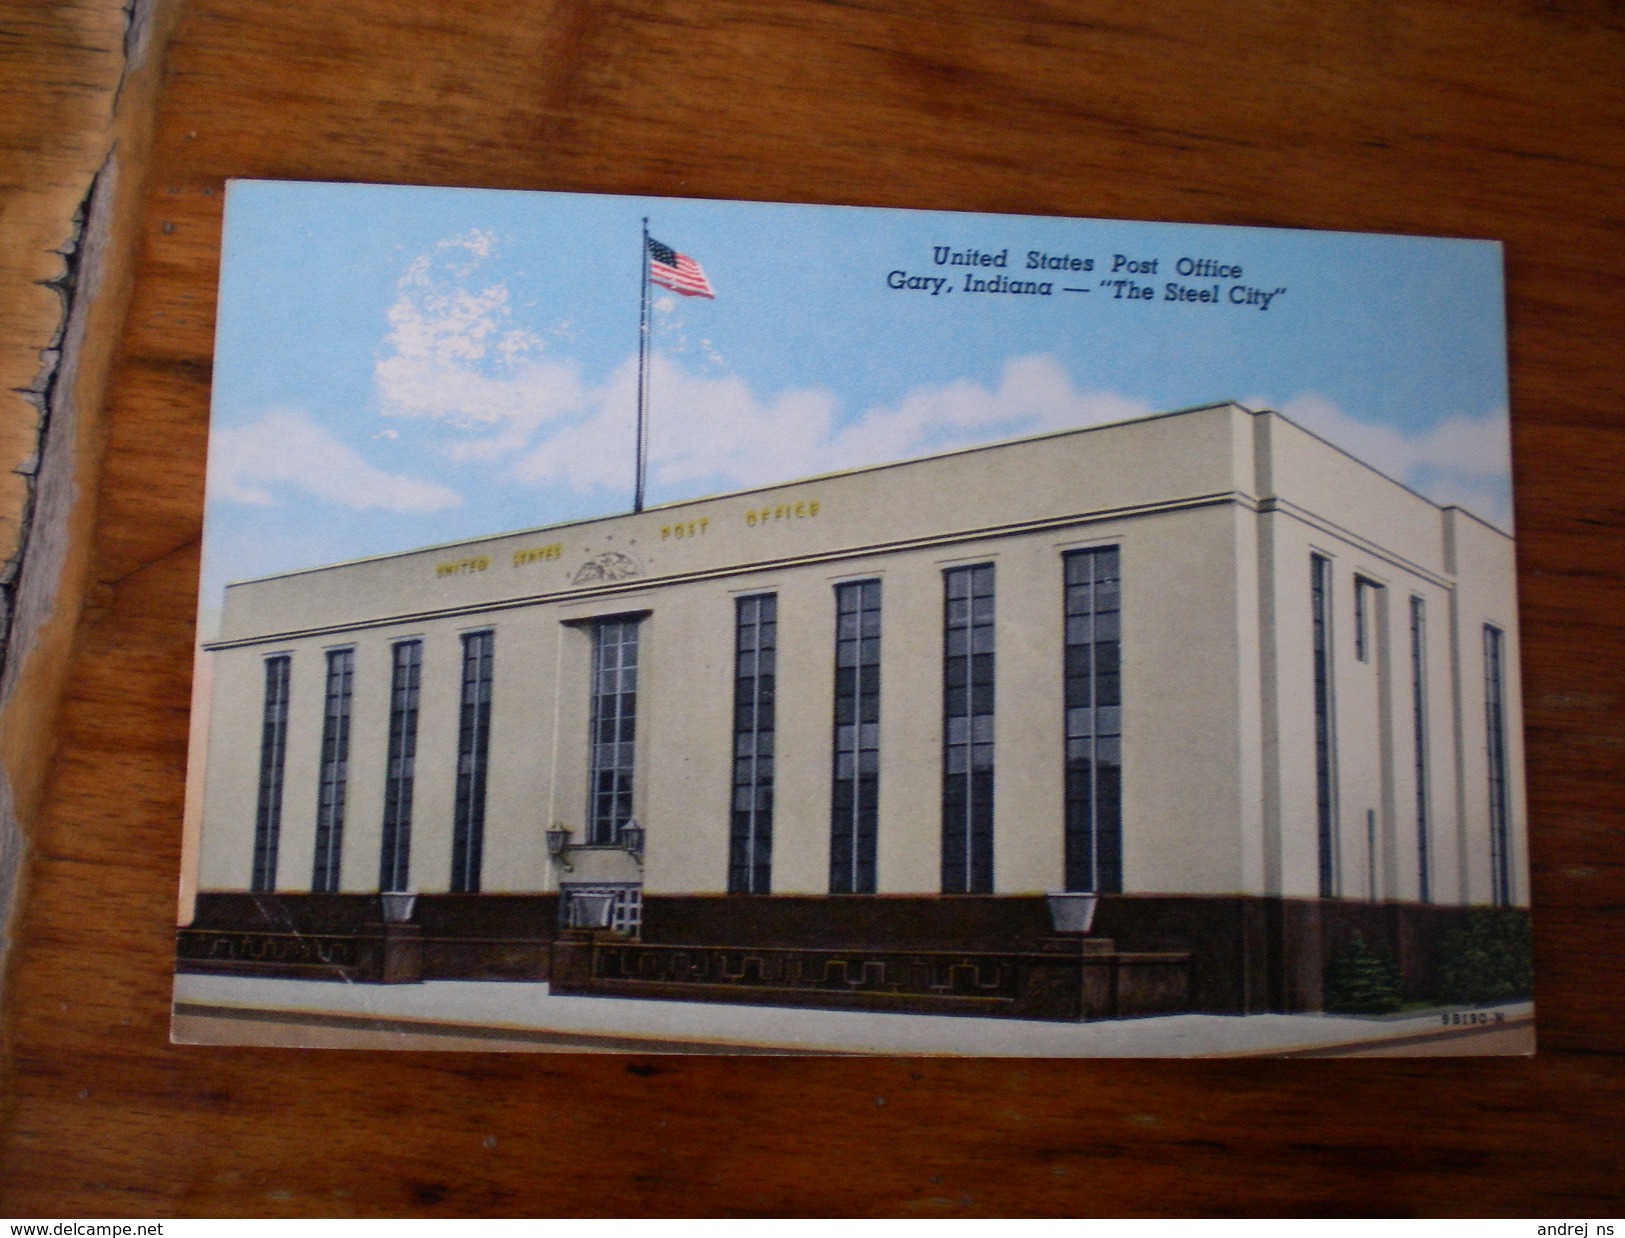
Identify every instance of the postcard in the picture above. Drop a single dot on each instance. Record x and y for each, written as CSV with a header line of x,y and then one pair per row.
x,y
662,625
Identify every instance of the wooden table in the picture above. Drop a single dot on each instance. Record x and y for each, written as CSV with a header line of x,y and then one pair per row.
x,y
1496,120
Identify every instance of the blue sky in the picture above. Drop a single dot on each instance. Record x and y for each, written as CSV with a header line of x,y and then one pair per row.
x,y
396,367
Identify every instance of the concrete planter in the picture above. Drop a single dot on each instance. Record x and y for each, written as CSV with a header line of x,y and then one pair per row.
x,y
591,910
1071,912
398,906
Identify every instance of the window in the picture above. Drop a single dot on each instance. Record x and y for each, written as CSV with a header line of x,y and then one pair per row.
x,y
1371,854
335,771
1419,730
395,864
1496,751
473,755
614,728
967,751
273,750
750,835
1094,721
854,802
1320,605
1364,592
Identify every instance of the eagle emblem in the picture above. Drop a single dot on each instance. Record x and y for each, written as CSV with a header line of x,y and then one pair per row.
x,y
611,565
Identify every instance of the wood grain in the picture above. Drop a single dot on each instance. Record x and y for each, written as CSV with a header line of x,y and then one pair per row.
x,y
78,86
1496,120
58,72
61,66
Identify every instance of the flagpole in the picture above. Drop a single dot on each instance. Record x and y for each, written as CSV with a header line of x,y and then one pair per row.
x,y
643,353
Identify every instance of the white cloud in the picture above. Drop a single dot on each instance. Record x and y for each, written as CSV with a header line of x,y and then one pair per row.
x,y
1034,394
1464,460
712,431
478,242
717,432
455,355
287,449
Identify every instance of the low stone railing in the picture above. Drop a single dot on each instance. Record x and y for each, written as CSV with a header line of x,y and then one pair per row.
x,y
291,953
1064,978
381,953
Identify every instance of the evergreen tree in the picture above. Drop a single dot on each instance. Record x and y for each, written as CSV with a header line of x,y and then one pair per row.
x,y
1489,959
1359,980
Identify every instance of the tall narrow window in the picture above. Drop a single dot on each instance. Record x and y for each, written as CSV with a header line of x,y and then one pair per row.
x,y
1371,854
473,756
1419,729
750,837
395,863
1496,751
1320,604
1363,590
854,802
967,752
335,771
273,750
1094,721
614,728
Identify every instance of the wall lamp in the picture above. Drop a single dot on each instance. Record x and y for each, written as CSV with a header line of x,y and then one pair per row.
x,y
632,838
558,842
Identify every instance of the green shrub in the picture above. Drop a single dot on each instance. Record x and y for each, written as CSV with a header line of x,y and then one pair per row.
x,y
1360,980
1488,959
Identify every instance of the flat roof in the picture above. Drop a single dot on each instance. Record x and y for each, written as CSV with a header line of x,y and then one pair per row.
x,y
1070,432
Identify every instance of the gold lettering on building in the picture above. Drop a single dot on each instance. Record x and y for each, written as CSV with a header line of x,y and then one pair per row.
x,y
459,567
805,509
538,554
685,528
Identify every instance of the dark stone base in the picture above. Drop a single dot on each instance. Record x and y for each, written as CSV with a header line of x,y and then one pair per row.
x,y
1062,978
946,954
340,937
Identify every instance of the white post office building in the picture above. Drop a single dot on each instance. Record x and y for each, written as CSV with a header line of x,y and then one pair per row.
x,y
834,741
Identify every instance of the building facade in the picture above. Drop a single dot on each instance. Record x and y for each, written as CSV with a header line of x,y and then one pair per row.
x,y
1234,681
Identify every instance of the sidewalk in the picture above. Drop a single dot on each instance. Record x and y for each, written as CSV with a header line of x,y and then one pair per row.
x,y
492,1016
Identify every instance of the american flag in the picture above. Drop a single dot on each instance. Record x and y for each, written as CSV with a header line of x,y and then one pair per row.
x,y
676,271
